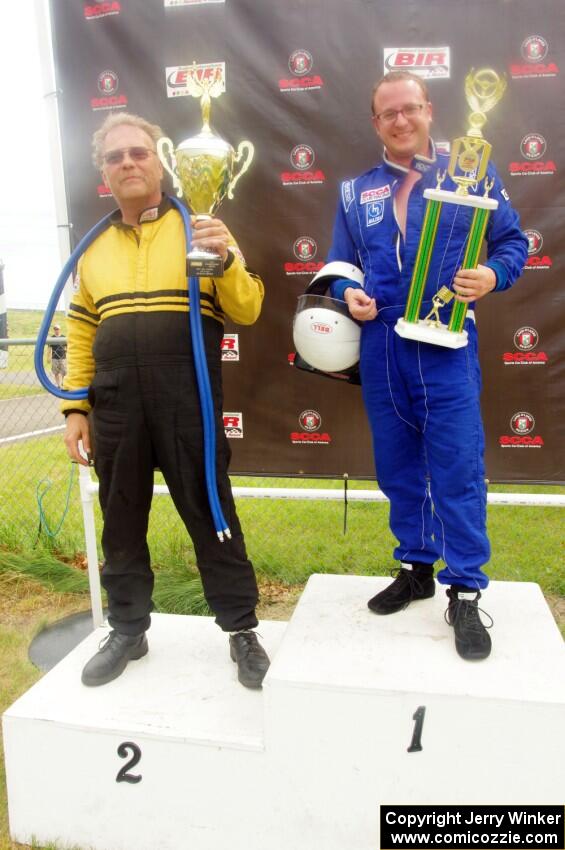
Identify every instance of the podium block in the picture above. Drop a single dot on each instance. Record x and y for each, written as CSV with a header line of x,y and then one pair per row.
x,y
356,711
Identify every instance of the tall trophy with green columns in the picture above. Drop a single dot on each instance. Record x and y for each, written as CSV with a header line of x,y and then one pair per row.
x,y
467,167
204,169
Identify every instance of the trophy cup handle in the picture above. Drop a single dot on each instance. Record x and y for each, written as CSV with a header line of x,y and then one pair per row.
x,y
166,154
245,152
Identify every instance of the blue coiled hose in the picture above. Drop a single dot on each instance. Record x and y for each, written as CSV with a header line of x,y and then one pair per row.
x,y
198,349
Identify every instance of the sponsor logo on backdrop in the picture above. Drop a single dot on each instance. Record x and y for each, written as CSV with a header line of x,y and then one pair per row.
x,y
233,425
305,250
108,85
178,77
301,64
533,148
310,422
533,50
230,347
101,10
190,2
535,243
302,158
103,191
525,340
521,424
428,62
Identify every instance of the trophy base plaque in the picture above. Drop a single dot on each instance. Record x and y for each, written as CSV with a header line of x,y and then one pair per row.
x,y
423,331
204,264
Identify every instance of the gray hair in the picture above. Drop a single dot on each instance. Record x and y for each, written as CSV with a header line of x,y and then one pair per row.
x,y
118,119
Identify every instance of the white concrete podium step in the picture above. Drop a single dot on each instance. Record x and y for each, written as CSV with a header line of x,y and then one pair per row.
x,y
356,710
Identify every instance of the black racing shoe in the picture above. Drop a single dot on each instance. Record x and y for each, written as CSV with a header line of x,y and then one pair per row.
x,y
409,585
251,659
114,652
472,641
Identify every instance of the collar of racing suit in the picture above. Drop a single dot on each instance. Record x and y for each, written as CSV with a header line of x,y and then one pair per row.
x,y
148,214
420,163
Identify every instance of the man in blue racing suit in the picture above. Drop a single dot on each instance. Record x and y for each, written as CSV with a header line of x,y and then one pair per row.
x,y
422,400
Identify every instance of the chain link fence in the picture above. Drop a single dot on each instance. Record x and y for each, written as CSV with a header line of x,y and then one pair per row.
x,y
41,508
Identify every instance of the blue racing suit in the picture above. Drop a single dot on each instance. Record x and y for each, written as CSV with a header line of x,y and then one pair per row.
x,y
422,400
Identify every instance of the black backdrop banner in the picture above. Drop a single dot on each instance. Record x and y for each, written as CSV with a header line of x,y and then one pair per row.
x,y
298,78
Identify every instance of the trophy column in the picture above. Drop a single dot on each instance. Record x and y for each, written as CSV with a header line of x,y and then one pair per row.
x,y
467,167
430,328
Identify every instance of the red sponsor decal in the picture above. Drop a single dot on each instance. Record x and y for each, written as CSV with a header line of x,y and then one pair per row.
x,y
299,178
113,102
539,70
313,439
101,10
524,358
507,441
301,83
303,268
548,167
103,191
544,262
426,61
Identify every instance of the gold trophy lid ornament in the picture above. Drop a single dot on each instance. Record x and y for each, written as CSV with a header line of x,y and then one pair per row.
x,y
202,167
470,153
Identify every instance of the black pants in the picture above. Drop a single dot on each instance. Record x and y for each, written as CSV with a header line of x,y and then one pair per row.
x,y
148,416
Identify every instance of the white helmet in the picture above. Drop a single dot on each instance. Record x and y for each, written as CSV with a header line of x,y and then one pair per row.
x,y
325,335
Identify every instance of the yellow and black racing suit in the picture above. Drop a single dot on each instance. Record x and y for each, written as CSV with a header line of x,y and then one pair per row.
x,y
129,341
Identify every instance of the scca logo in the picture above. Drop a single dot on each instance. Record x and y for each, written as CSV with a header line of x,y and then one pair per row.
x,y
300,63
425,61
533,146
522,424
305,248
534,48
535,241
108,83
302,157
526,338
310,420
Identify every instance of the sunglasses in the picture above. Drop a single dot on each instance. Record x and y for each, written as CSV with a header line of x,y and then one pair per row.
x,y
137,154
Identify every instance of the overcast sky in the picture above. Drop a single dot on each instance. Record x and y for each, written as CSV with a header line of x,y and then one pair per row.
x,y
28,233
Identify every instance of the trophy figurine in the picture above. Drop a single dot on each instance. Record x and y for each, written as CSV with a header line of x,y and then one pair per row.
x,y
203,170
467,167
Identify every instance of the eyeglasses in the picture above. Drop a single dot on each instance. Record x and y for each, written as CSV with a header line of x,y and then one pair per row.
x,y
411,110
137,154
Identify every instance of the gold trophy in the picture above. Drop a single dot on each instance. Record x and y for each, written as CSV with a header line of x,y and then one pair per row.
x,y
467,167
203,170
